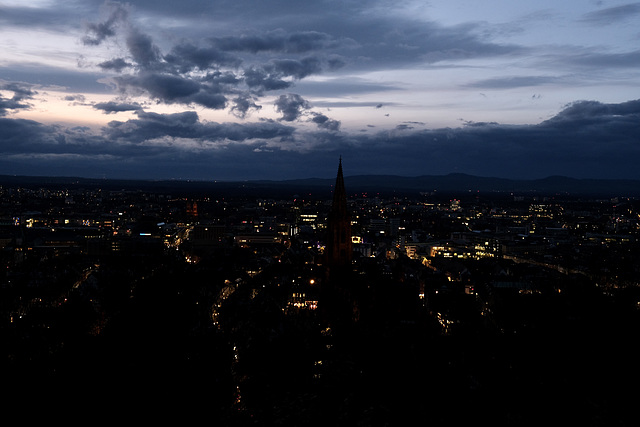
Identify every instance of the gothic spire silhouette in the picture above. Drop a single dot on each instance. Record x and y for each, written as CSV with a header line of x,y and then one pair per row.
x,y
339,244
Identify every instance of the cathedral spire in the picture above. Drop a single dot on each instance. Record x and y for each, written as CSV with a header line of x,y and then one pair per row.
x,y
339,244
339,204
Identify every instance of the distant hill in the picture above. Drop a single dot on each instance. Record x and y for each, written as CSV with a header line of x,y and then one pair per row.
x,y
455,183
452,183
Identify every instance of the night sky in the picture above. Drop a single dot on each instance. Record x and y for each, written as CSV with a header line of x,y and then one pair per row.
x,y
240,89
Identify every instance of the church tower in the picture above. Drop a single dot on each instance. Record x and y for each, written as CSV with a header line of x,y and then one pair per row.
x,y
339,305
339,246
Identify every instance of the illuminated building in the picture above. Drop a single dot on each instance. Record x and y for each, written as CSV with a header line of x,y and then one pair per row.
x,y
255,239
192,209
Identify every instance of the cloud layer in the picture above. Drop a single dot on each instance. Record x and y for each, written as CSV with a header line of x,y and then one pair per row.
x,y
215,73
18,101
582,140
281,88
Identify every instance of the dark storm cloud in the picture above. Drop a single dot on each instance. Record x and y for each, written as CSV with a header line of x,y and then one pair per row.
x,y
153,125
297,68
21,93
77,98
234,71
172,89
325,122
187,125
372,36
214,61
144,147
372,40
277,41
115,64
279,74
332,35
143,52
97,32
208,74
142,49
165,87
612,15
291,106
186,56
16,135
115,107
243,104
261,79
585,139
583,115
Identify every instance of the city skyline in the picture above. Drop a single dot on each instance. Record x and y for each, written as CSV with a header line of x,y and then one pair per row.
x,y
484,306
279,90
